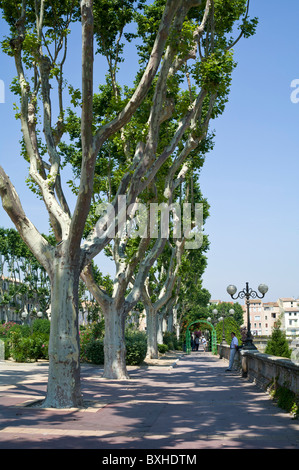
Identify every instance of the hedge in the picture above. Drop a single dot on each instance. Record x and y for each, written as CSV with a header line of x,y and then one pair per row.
x,y
92,347
25,343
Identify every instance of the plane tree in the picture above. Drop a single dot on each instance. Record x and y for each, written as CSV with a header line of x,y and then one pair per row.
x,y
180,30
37,26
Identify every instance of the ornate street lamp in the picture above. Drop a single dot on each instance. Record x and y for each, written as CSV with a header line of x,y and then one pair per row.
x,y
247,293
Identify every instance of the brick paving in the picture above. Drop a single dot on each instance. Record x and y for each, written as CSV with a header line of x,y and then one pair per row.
x,y
177,402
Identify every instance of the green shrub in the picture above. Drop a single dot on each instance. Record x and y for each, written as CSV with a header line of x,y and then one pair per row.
x,y
162,348
136,347
27,348
23,330
170,340
98,329
278,344
85,338
230,325
88,334
41,325
94,351
285,398
42,344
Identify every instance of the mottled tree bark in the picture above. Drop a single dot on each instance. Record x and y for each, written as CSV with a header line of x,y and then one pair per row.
x,y
64,386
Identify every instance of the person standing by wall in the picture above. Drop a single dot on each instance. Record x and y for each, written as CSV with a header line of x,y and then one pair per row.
x,y
233,349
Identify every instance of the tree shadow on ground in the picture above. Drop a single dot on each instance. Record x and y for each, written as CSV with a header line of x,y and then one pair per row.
x,y
194,405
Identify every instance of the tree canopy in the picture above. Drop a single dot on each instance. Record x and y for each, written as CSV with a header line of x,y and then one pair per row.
x,y
145,141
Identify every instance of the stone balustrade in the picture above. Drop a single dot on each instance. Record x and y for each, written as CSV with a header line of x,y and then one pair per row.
x,y
263,369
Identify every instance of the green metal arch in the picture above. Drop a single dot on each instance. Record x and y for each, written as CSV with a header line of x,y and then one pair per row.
x,y
214,336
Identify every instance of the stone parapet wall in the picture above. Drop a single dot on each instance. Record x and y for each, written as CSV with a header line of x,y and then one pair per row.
x,y
263,369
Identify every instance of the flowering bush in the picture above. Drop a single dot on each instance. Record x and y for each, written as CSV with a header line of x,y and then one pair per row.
x,y
24,343
5,328
28,348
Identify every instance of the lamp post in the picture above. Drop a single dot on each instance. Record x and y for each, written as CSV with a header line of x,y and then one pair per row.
x,y
247,293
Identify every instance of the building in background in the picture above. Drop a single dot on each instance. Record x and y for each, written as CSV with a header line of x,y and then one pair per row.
x,y
264,316
289,313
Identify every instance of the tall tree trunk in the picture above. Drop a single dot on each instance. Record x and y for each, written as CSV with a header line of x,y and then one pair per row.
x,y
151,330
64,389
176,321
170,322
160,317
114,343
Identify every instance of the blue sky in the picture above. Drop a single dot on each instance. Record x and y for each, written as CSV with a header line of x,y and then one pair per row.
x,y
250,178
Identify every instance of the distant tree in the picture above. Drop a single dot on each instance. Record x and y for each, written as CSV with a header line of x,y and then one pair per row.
x,y
230,325
28,280
224,308
278,344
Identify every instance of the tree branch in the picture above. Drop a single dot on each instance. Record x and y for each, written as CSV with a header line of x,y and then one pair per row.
x,y
99,294
88,155
144,85
11,203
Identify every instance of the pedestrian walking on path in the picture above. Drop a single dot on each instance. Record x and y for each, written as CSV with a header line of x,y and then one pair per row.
x,y
233,349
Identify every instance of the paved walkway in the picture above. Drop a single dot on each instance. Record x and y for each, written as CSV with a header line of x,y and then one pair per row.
x,y
174,403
